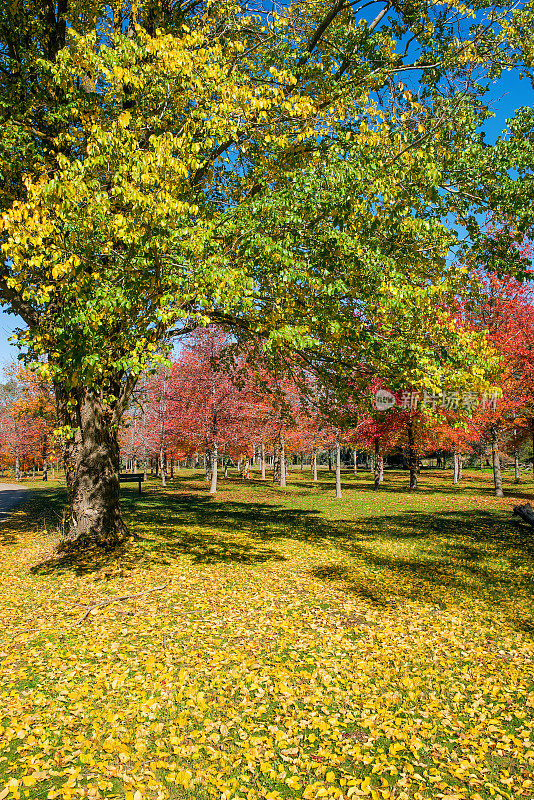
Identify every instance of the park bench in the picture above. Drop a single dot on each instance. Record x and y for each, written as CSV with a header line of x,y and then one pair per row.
x,y
132,477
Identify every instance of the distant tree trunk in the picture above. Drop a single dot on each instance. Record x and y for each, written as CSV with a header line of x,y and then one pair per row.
x,y
314,464
455,467
301,460
45,468
17,465
482,461
496,462
338,470
214,465
381,473
172,468
276,465
329,460
516,465
33,473
355,460
412,456
246,471
282,463
262,461
460,466
162,467
377,462
226,460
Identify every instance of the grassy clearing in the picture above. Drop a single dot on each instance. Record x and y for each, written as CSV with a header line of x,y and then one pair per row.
x,y
301,647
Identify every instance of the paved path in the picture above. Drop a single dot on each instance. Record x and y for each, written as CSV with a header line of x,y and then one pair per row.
x,y
11,494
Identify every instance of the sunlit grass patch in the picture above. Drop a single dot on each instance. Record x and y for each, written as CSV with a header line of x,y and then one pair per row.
x,y
271,644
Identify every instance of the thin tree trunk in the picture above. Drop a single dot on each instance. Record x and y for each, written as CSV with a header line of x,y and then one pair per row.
x,y
226,467
214,466
377,463
282,463
460,466
481,461
314,463
162,467
455,467
262,460
496,462
412,456
17,465
276,466
516,465
381,472
329,459
355,460
301,460
338,470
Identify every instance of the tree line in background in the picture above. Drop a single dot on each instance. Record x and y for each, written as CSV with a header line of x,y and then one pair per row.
x,y
215,406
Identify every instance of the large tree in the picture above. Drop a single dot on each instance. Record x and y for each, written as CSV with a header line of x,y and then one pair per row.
x,y
151,162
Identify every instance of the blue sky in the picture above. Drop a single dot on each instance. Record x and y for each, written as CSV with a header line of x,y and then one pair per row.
x,y
508,95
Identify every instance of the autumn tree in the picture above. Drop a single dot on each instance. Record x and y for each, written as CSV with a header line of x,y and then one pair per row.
x,y
165,165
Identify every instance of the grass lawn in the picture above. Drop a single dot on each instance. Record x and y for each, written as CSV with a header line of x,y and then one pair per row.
x,y
276,644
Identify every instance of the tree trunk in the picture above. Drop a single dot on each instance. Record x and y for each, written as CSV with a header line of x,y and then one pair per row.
x,y
314,463
460,466
338,471
276,466
282,463
377,463
355,460
526,513
412,456
381,471
455,467
329,460
92,470
262,458
496,462
162,467
481,461
17,466
214,465
516,465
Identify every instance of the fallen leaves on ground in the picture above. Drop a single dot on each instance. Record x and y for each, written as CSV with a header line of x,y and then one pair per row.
x,y
338,656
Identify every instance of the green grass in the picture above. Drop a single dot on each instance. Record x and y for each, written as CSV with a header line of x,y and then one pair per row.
x,y
301,646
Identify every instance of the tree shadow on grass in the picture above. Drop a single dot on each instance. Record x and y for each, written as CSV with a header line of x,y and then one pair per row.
x,y
438,557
